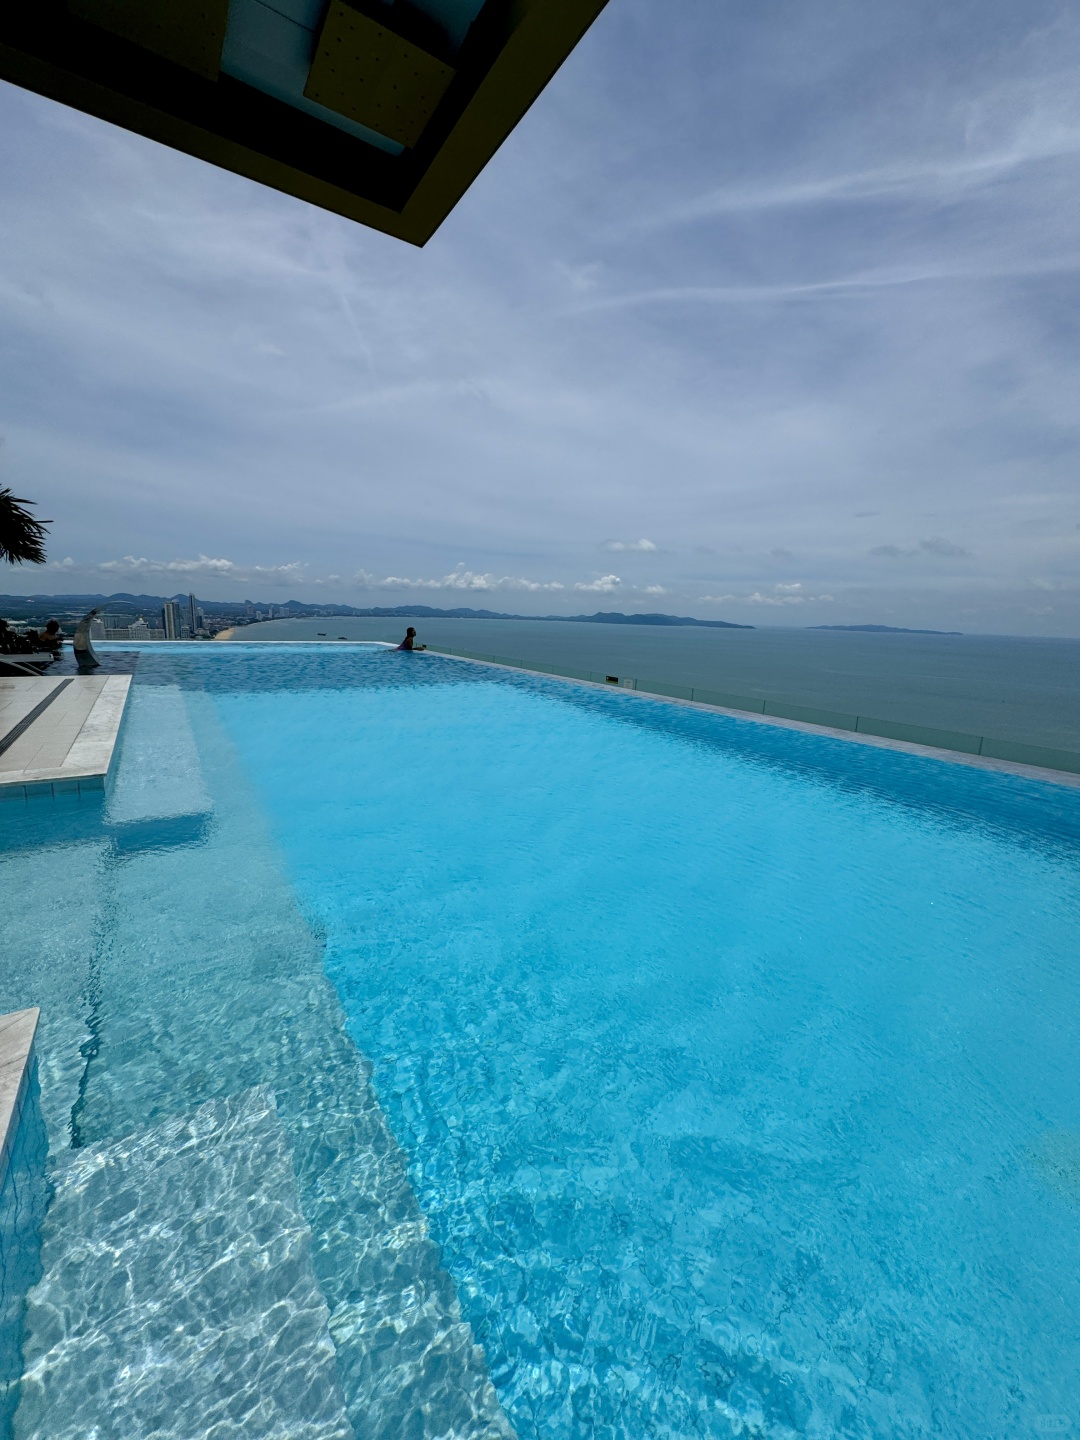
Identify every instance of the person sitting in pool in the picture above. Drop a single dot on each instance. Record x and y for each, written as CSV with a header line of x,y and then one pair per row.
x,y
52,637
409,643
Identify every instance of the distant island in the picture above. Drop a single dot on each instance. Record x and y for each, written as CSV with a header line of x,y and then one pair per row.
x,y
613,617
885,629
246,612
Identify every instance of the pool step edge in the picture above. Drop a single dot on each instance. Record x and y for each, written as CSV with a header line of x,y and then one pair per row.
x,y
178,1290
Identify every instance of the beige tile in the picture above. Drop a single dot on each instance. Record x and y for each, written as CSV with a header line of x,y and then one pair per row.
x,y
45,745
18,696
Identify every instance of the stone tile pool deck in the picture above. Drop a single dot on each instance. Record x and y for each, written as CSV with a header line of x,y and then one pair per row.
x,y
58,735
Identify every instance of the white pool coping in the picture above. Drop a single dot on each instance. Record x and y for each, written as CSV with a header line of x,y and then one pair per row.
x,y
17,1032
70,746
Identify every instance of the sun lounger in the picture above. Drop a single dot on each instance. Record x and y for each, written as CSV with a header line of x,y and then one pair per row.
x,y
26,664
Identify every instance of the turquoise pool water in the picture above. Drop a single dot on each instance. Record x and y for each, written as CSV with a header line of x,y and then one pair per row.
x,y
724,1077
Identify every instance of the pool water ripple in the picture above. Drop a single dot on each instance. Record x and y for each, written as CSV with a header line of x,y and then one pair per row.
x,y
719,1077
729,1074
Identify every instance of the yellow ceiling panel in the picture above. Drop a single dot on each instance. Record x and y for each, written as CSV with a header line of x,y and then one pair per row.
x,y
369,74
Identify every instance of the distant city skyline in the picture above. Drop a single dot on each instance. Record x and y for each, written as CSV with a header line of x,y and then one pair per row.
x,y
759,316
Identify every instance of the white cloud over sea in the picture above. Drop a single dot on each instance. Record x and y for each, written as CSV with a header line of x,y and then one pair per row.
x,y
201,571
766,310
458,579
779,595
205,571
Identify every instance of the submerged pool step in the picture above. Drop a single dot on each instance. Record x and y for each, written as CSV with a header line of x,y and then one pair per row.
x,y
161,777
178,1297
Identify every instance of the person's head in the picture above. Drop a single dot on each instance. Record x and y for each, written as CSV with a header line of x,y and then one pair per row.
x,y
52,627
411,630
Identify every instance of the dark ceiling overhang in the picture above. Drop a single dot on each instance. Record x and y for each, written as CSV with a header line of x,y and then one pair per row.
x,y
384,113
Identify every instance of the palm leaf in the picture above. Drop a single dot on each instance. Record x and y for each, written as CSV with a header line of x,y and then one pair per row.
x,y
21,536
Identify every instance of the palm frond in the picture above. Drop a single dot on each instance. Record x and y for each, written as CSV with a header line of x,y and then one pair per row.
x,y
21,536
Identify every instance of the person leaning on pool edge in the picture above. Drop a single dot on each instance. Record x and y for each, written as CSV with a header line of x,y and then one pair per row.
x,y
409,643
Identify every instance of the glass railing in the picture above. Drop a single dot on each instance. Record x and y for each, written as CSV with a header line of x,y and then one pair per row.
x,y
985,745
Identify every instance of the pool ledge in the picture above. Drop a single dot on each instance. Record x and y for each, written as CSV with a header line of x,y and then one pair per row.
x,y
60,736
883,742
857,737
17,1032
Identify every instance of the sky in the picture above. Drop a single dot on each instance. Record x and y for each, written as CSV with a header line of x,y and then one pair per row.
x,y
767,313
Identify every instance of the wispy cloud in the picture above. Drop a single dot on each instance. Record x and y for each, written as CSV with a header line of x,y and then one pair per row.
x,y
936,545
471,580
862,283
757,598
784,594
947,178
205,567
852,311
459,579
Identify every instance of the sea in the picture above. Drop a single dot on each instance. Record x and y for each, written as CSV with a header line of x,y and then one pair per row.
x,y
1006,687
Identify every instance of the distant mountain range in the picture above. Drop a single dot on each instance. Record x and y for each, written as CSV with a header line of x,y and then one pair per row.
x,y
885,629
33,604
121,601
20,605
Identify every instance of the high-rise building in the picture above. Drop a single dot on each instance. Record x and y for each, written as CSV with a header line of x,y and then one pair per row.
x,y
170,618
192,616
123,627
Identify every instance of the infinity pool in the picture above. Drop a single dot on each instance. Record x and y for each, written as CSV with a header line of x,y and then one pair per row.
x,y
638,1071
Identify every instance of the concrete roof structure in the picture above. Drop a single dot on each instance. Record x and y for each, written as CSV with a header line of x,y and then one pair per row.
x,y
382,112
